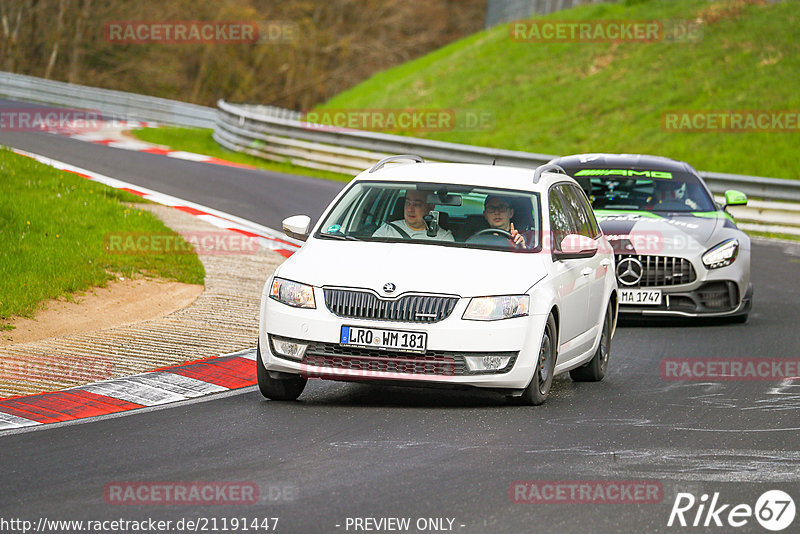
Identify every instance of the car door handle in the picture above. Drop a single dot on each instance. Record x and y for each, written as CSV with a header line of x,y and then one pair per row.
x,y
587,271
605,263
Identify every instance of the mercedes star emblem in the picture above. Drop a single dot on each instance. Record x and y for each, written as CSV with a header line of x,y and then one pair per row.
x,y
629,271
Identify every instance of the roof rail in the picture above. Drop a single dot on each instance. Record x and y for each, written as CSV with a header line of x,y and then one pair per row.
x,y
384,161
547,167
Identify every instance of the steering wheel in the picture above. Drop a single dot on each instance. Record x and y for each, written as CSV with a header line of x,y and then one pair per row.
x,y
495,231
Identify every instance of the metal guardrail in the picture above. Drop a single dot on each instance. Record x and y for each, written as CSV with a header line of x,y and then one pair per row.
x,y
754,186
278,134
245,128
112,104
242,128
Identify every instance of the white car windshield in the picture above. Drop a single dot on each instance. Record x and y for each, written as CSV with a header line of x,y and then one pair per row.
x,y
437,214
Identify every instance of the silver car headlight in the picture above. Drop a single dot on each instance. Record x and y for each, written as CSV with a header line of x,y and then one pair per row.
x,y
722,254
292,294
496,308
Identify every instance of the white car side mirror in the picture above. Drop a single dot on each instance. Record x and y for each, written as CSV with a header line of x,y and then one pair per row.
x,y
576,246
297,226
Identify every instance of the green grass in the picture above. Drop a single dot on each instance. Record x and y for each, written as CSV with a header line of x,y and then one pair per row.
x,y
53,230
199,141
563,98
773,235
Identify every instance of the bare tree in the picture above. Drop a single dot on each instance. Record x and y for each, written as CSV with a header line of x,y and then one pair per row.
x,y
11,21
77,41
339,43
62,7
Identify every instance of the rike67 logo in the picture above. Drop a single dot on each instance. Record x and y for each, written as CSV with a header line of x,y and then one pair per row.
x,y
774,510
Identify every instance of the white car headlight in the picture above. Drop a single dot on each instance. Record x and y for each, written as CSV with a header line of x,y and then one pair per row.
x,y
721,255
495,308
292,293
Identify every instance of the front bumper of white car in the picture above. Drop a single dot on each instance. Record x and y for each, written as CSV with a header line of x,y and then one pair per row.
x,y
449,342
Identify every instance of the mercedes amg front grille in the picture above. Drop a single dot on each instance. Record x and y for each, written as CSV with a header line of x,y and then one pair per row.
x,y
360,304
653,271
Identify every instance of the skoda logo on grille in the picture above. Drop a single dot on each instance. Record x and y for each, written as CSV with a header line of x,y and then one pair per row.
x,y
389,288
629,271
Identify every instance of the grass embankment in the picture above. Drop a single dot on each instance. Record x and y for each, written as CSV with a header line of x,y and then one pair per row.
x,y
199,141
563,98
53,231
773,235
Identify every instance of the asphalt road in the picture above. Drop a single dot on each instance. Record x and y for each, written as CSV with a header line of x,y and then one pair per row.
x,y
363,451
259,196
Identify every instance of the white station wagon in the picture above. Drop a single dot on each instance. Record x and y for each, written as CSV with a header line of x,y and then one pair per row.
x,y
440,274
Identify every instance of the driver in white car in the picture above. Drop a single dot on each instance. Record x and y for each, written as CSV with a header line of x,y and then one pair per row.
x,y
413,225
498,213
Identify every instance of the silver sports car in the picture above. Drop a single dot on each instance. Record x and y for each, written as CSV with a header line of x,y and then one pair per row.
x,y
677,251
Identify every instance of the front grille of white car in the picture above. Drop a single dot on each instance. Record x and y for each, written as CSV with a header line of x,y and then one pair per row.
x,y
438,363
659,271
360,304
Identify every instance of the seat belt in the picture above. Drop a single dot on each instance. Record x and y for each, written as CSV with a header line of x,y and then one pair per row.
x,y
400,231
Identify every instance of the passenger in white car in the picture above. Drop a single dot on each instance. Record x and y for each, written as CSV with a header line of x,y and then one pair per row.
x,y
413,226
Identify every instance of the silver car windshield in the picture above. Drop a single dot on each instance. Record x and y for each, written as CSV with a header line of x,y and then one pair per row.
x,y
437,214
662,191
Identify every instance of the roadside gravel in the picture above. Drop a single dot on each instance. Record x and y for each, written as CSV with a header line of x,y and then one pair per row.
x,y
223,319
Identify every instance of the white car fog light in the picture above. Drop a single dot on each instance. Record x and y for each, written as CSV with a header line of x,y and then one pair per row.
x,y
486,363
289,349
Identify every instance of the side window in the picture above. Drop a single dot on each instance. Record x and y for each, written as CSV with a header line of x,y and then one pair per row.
x,y
560,224
586,209
365,214
575,209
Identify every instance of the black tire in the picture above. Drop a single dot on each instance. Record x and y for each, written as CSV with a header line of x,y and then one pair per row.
x,y
537,391
595,369
278,389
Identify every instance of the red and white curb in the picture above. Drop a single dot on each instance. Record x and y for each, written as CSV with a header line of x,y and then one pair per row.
x,y
267,237
162,386
117,140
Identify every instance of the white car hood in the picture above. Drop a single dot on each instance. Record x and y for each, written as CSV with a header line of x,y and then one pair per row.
x,y
413,268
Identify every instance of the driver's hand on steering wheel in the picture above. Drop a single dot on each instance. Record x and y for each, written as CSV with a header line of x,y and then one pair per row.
x,y
517,238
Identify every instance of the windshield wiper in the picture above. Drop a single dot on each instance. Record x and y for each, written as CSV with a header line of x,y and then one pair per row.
x,y
341,237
